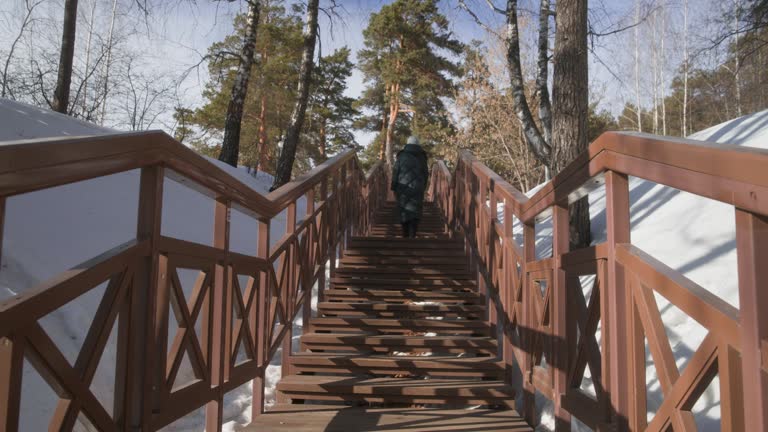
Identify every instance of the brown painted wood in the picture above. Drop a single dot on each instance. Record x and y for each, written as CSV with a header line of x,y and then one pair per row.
x,y
11,370
752,253
435,390
464,256
618,299
329,418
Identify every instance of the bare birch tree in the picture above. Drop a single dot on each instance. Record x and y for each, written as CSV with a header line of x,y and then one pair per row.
x,y
686,66
91,25
29,7
638,105
108,63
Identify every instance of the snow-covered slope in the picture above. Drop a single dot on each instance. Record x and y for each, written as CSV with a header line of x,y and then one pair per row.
x,y
52,230
691,234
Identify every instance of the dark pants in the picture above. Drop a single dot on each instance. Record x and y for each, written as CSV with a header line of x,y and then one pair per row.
x,y
410,228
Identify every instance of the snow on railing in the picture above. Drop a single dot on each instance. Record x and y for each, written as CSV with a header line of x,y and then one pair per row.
x,y
561,338
230,321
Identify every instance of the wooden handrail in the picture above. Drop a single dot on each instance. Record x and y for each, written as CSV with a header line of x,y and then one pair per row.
x,y
731,174
30,165
541,301
143,284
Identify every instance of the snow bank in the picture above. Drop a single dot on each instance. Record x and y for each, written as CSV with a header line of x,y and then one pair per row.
x,y
52,230
693,235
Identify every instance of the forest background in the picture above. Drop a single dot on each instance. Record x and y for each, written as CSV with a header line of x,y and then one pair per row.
x,y
669,67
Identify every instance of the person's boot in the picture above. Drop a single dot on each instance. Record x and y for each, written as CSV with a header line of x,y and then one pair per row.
x,y
412,228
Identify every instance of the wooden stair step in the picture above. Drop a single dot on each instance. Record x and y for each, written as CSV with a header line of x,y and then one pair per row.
x,y
405,390
394,309
337,418
400,296
403,260
404,243
437,267
388,343
433,283
488,367
402,272
398,325
388,253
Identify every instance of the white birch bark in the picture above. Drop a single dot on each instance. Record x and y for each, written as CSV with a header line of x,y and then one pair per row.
x,y
88,56
686,60
108,62
638,109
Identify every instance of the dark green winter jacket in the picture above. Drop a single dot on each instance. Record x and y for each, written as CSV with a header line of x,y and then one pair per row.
x,y
409,180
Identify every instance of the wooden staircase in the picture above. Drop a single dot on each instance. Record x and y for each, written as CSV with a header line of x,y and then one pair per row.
x,y
402,323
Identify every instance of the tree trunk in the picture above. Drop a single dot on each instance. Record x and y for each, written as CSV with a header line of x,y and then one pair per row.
x,y
638,108
570,99
88,59
382,150
24,23
533,137
64,79
662,87
685,68
542,78
737,65
230,147
291,137
322,149
655,63
108,62
394,109
262,131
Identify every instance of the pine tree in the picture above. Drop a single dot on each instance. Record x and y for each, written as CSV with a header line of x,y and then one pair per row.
x,y
268,104
402,55
331,113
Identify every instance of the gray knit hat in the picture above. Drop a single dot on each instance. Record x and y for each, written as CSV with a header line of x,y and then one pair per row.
x,y
413,140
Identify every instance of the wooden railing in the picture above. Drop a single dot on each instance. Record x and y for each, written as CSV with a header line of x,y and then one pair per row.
x,y
543,314
143,282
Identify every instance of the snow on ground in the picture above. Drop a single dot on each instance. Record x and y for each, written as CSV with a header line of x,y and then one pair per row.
x,y
693,235
49,231
52,230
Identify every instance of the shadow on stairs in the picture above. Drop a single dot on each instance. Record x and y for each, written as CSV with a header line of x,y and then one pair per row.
x,y
400,343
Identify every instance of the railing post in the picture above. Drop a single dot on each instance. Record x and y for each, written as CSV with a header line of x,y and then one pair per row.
x,y
290,284
306,309
490,259
333,223
259,316
752,255
2,224
221,308
323,244
617,296
560,245
345,207
11,371
136,384
509,268
527,323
